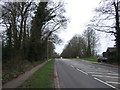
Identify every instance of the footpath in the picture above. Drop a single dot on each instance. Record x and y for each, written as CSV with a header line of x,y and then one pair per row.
x,y
20,79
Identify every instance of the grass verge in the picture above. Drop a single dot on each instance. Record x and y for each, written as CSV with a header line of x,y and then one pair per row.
x,y
89,59
42,78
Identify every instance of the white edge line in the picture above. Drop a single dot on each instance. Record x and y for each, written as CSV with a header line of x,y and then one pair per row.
x,y
82,71
104,82
58,84
57,79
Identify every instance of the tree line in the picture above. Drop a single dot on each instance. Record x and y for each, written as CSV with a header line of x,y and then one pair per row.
x,y
82,45
31,29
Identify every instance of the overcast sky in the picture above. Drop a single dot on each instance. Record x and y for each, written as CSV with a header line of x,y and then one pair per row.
x,y
80,13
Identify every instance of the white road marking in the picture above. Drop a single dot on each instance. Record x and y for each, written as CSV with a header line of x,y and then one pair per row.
x,y
96,70
112,82
72,66
105,76
82,71
104,82
57,83
104,73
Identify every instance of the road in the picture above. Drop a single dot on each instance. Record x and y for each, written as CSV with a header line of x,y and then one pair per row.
x,y
85,74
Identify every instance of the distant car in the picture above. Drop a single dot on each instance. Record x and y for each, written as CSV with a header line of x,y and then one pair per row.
x,y
102,59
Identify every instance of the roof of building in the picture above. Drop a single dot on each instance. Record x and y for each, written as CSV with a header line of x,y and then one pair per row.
x,y
111,49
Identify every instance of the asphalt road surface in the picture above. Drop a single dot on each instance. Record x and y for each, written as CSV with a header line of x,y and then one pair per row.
x,y
84,74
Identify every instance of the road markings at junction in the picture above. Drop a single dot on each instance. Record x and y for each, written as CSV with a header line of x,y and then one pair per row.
x,y
82,71
103,73
105,76
112,82
104,82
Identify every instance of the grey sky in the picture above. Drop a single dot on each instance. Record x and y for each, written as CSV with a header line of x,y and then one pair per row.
x,y
80,13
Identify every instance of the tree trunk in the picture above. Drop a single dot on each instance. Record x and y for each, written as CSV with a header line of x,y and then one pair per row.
x,y
117,29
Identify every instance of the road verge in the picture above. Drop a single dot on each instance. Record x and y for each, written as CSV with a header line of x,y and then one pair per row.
x,y
42,78
20,79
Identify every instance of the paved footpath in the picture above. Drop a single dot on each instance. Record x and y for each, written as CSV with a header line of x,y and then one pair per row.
x,y
20,79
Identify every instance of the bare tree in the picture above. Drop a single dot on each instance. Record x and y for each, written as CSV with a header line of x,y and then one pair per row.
x,y
82,46
107,20
57,22
91,39
49,19
16,18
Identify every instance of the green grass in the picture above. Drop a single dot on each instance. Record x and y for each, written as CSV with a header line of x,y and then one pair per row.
x,y
89,59
42,78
